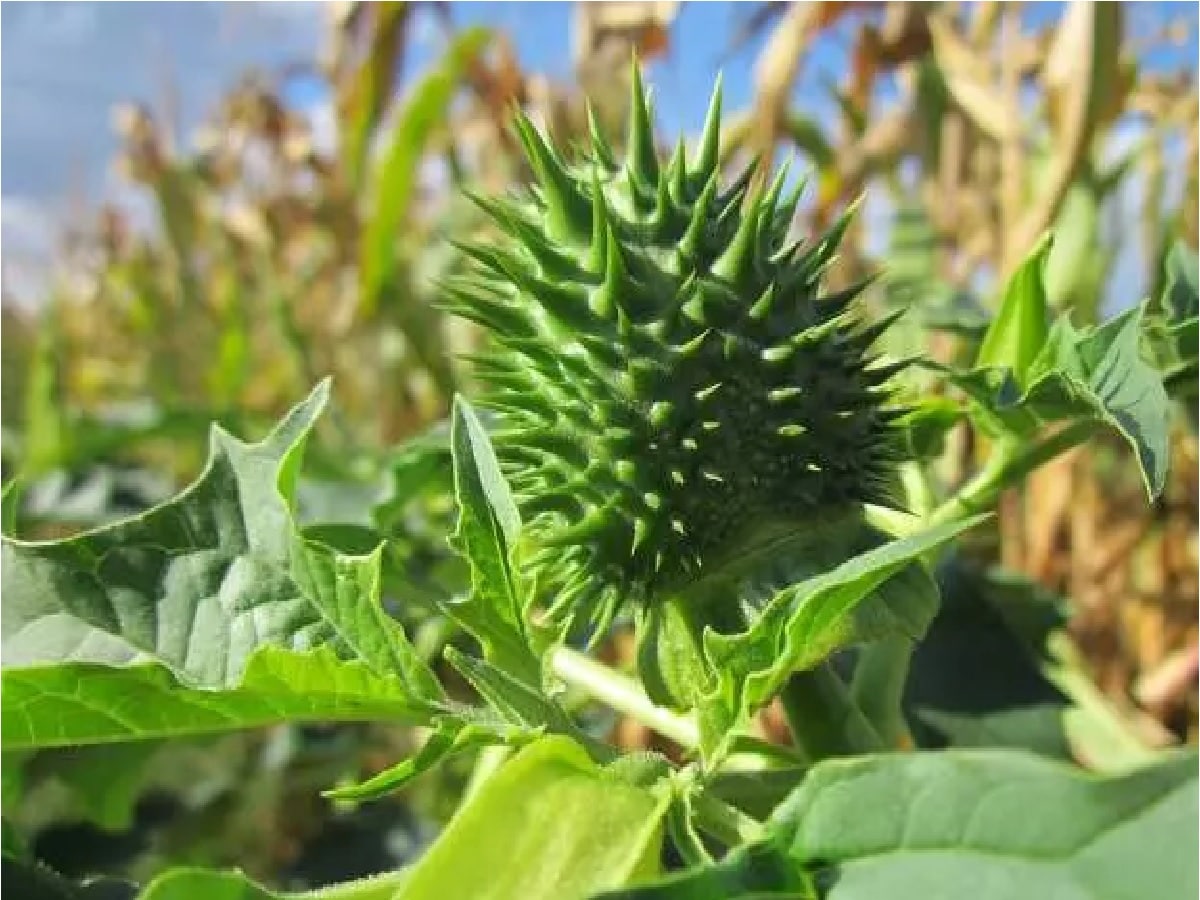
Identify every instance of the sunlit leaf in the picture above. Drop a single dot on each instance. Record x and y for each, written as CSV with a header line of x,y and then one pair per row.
x,y
803,624
1021,326
84,703
488,528
549,824
991,825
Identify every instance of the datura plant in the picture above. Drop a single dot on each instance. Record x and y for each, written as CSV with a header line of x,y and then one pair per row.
x,y
675,393
684,430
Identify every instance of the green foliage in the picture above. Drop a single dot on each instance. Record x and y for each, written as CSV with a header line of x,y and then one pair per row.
x,y
85,703
990,824
682,424
393,181
803,624
488,529
1028,376
547,825
1175,330
1020,329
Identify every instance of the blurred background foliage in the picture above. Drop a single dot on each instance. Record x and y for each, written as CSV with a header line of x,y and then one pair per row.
x,y
277,258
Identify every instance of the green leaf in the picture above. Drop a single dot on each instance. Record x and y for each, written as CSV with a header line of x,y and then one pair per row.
x,y
449,738
394,180
46,439
10,507
1175,330
804,623
366,81
1020,328
82,703
11,842
1077,263
421,466
105,780
1180,294
974,679
346,590
924,429
517,703
190,593
1038,728
990,825
994,825
1096,375
196,584
13,776
752,872
194,884
549,824
488,529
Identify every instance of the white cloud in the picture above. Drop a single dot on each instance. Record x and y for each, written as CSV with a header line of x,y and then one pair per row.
x,y
64,65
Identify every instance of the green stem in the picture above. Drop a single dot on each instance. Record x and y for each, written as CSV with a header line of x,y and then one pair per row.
x,y
486,765
823,717
1009,462
623,694
882,670
878,688
724,822
727,824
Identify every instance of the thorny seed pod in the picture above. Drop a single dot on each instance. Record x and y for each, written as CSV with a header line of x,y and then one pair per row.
x,y
667,373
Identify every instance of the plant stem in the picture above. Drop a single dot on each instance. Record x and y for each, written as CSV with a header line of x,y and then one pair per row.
x,y
882,669
489,762
726,823
823,717
1009,462
878,688
723,821
623,694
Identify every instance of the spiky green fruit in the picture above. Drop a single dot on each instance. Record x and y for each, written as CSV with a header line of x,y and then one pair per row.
x,y
668,375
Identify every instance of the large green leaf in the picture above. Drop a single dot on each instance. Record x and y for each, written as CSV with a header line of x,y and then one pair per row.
x,y
806,622
150,627
195,584
990,825
994,825
86,703
549,824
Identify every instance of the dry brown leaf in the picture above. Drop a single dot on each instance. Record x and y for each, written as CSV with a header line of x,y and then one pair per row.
x,y
1046,505
604,28
969,82
1079,71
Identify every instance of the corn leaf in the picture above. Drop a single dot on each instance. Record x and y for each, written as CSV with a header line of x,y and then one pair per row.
x,y
393,181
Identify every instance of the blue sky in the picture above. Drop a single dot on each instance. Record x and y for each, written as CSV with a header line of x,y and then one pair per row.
x,y
65,64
